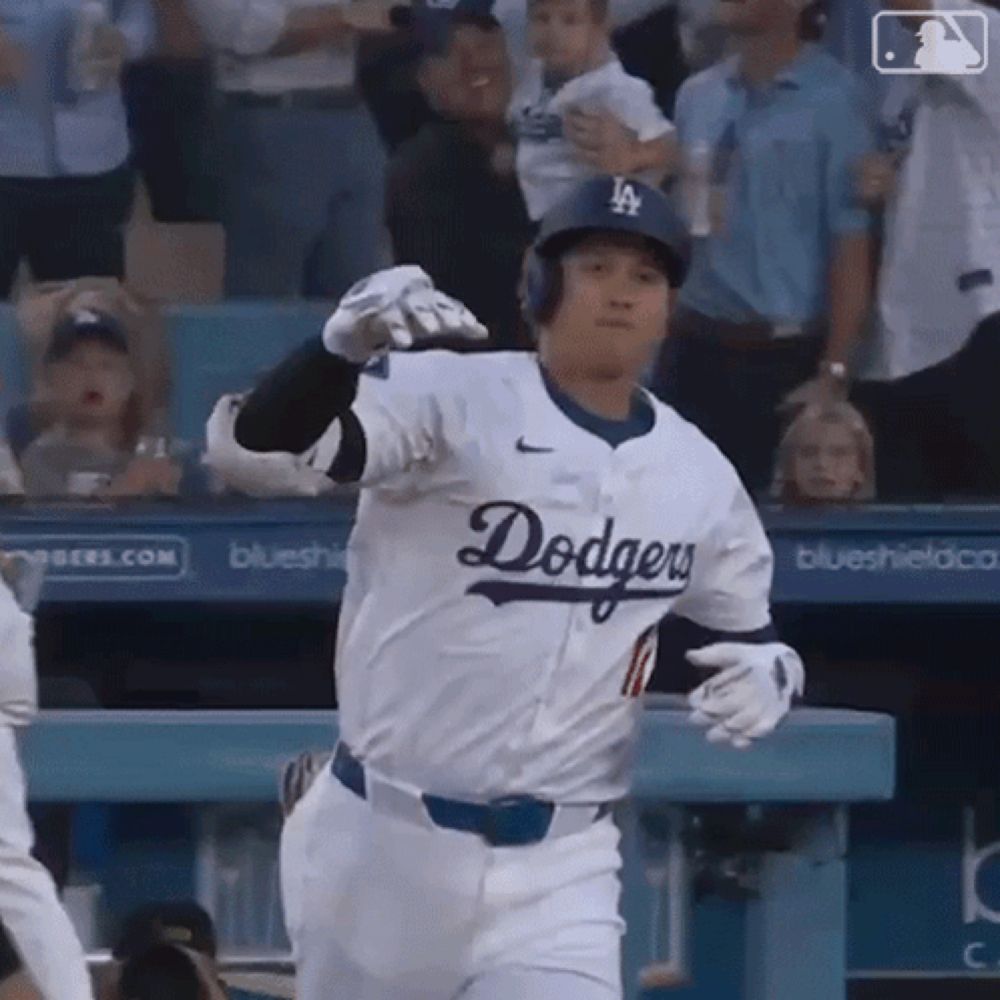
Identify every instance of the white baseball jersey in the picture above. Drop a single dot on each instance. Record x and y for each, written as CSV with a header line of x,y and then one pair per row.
x,y
940,270
548,165
18,680
507,571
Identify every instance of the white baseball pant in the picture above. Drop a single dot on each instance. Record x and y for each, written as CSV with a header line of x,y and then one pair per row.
x,y
29,905
380,907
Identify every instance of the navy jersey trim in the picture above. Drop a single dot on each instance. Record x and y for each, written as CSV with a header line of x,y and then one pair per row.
x,y
615,432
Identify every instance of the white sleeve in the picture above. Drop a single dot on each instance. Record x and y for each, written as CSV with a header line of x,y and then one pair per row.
x,y
983,88
730,589
411,409
264,474
633,104
18,679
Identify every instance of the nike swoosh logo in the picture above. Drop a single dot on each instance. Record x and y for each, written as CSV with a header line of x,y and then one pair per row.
x,y
530,449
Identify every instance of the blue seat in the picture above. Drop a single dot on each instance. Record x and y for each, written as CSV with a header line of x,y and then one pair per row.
x,y
226,348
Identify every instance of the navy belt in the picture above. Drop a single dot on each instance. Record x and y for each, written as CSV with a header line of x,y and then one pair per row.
x,y
511,821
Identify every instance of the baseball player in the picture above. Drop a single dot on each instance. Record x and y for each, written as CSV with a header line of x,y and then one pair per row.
x,y
524,522
29,906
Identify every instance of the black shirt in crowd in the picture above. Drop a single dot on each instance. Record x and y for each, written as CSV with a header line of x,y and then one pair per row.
x,y
464,222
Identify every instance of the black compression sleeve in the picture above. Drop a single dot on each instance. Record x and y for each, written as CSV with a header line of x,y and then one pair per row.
x,y
297,401
10,960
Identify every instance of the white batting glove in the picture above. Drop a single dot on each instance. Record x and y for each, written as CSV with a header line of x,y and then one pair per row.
x,y
395,308
750,694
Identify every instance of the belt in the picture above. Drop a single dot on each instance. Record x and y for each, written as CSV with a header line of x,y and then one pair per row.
x,y
746,335
341,98
511,821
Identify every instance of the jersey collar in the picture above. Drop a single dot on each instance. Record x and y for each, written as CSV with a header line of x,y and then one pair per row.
x,y
615,432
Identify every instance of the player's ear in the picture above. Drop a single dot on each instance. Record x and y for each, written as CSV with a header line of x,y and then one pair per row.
x,y
540,288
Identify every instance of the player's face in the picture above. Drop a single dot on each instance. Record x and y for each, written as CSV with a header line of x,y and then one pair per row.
x,y
613,310
565,34
826,464
753,17
471,81
92,384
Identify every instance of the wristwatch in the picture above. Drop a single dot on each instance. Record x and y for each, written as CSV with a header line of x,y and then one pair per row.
x,y
835,369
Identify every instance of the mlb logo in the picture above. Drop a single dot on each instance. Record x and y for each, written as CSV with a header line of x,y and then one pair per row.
x,y
921,42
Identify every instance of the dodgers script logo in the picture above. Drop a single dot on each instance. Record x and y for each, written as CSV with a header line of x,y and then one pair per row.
x,y
516,542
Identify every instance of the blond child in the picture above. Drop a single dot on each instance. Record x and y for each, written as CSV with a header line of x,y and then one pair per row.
x,y
825,456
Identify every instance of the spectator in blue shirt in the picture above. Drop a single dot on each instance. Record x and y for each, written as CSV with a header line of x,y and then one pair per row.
x,y
65,186
779,288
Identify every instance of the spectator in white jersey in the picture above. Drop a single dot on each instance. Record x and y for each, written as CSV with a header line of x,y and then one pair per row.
x,y
576,113
930,376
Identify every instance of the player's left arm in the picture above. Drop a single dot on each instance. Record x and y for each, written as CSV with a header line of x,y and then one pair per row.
x,y
754,675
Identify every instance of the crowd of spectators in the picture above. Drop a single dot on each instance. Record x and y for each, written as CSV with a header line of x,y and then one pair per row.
x,y
845,227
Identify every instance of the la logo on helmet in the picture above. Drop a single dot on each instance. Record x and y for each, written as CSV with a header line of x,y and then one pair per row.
x,y
624,199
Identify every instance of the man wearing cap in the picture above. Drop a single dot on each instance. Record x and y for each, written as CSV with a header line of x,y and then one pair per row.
x,y
453,205
98,411
29,906
525,522
773,140
301,161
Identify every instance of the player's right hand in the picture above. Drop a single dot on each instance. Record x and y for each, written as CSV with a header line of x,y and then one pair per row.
x,y
393,309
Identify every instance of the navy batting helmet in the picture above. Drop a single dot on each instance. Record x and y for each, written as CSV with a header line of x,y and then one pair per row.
x,y
603,204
